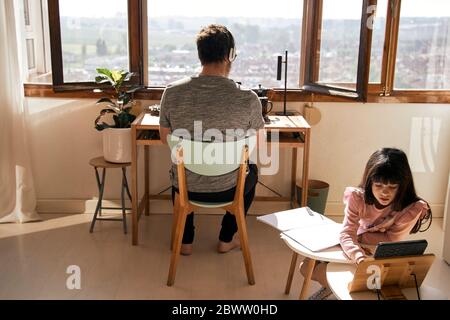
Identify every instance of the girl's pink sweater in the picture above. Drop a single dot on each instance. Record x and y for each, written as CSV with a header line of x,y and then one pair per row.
x,y
359,217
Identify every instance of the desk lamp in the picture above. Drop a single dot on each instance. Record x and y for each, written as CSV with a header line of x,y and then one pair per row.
x,y
280,62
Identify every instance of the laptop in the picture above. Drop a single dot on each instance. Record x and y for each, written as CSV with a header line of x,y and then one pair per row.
x,y
400,249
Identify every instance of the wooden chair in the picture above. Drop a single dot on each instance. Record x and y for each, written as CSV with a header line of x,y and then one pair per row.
x,y
183,150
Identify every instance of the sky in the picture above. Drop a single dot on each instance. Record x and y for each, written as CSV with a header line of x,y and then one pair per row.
x,y
337,9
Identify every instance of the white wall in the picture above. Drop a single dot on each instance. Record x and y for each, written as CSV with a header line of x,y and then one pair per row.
x,y
63,139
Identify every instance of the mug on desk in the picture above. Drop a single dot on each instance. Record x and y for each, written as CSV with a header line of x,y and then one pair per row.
x,y
265,102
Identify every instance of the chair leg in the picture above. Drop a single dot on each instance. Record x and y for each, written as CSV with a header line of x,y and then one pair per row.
x,y
181,221
176,209
122,195
101,187
242,229
126,183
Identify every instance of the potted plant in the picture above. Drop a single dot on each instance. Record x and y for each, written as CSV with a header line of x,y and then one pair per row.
x,y
117,136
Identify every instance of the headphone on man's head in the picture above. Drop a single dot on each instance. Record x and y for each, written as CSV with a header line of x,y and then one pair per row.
x,y
232,53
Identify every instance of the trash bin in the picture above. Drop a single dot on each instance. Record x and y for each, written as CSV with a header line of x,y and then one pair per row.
x,y
317,195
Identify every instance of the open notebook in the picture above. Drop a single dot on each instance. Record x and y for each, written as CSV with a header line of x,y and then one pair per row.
x,y
312,230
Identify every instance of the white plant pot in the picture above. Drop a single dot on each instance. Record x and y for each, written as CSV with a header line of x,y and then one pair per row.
x,y
117,145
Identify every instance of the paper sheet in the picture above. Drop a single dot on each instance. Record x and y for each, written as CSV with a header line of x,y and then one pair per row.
x,y
150,120
295,218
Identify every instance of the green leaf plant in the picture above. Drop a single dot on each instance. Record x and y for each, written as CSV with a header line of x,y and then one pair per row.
x,y
120,103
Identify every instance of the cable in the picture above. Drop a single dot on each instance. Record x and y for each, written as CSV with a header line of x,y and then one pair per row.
x,y
269,189
417,287
378,294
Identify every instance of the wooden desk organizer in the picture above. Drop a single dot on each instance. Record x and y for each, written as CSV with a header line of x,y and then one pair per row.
x,y
396,274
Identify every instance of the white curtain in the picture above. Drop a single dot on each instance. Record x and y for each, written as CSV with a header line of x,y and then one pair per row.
x,y
17,193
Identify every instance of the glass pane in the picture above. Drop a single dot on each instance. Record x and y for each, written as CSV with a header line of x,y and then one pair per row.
x,y
379,29
30,54
262,31
26,12
423,45
93,34
341,25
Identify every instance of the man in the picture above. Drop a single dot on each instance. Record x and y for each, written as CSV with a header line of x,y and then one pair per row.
x,y
212,101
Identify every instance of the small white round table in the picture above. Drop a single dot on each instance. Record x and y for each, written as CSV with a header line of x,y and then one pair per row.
x,y
333,254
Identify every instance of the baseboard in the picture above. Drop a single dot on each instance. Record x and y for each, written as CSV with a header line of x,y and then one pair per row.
x,y
165,207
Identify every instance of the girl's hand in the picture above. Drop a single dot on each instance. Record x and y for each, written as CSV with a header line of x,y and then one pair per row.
x,y
367,251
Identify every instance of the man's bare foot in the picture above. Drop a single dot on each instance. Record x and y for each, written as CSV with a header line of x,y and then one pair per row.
x,y
224,247
186,249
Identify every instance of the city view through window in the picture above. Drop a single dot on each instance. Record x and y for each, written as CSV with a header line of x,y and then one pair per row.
x,y
98,37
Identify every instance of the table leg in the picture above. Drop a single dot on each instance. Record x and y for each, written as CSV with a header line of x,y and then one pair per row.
x,y
147,181
291,273
307,281
304,200
294,178
134,189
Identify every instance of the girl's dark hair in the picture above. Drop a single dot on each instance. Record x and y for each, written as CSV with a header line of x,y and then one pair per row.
x,y
214,43
389,165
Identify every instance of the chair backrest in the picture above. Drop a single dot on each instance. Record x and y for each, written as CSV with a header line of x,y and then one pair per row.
x,y
210,158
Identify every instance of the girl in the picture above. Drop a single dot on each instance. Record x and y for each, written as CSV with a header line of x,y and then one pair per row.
x,y
385,207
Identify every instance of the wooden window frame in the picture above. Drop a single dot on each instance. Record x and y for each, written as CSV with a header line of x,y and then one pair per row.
x,y
313,16
389,64
135,47
382,92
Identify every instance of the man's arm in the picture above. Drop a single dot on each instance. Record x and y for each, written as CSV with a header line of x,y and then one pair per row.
x,y
163,133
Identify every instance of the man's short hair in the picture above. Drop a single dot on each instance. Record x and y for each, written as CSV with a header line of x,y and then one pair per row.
x,y
214,43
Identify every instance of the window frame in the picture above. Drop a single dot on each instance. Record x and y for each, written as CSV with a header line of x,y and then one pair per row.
x,y
135,47
313,15
382,92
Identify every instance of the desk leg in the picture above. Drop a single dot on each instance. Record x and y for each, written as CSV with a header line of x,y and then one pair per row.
x,y
134,189
294,178
147,180
307,281
304,200
291,273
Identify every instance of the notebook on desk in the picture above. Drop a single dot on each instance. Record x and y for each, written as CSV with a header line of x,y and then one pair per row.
x,y
317,237
295,218
305,226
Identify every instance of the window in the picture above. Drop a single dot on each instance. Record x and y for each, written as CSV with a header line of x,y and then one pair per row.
x,y
262,31
423,53
93,38
36,40
338,47
31,58
26,13
91,34
378,34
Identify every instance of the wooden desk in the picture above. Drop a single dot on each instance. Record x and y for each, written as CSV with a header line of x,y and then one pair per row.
x,y
340,275
294,133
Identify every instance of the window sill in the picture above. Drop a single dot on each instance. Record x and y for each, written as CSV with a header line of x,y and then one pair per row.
x,y
276,94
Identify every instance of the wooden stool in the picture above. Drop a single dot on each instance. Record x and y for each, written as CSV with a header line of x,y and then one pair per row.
x,y
100,162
